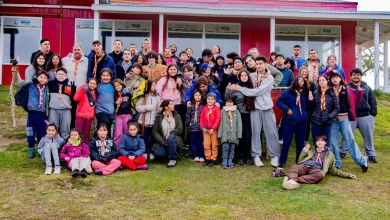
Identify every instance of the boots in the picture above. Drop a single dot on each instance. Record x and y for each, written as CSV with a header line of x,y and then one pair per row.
x,y
31,152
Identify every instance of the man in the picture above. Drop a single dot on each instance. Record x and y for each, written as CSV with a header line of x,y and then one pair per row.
x,y
313,165
76,66
366,111
263,117
231,76
45,48
145,47
133,51
153,71
206,58
173,49
122,67
97,60
251,67
288,75
314,65
296,57
229,60
117,53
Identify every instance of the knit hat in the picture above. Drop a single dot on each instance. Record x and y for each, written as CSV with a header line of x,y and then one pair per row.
x,y
212,94
204,66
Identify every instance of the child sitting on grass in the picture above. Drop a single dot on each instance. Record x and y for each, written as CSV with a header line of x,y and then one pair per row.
x,y
132,148
76,154
48,149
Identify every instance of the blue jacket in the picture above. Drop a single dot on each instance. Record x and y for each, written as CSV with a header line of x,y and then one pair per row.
x,y
337,67
300,61
107,62
288,76
105,99
131,145
287,101
210,89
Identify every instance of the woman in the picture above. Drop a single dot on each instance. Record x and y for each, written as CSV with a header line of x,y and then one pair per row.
x,y
291,65
272,58
53,64
213,78
254,52
304,72
332,62
190,58
215,50
140,59
325,107
168,57
347,100
244,105
293,102
167,129
36,66
160,59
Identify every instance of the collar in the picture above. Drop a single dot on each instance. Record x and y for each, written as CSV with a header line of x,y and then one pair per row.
x,y
230,108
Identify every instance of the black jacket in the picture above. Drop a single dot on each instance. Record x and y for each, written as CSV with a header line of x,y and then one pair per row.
x,y
47,57
325,117
116,57
120,71
368,104
110,151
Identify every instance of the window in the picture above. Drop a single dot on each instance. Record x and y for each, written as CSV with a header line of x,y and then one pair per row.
x,y
21,38
132,32
84,34
227,37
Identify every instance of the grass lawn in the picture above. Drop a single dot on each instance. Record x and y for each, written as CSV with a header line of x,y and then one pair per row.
x,y
188,191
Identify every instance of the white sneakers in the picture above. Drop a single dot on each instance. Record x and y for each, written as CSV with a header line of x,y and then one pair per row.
x,y
201,160
196,159
290,184
57,170
275,161
48,170
151,157
258,162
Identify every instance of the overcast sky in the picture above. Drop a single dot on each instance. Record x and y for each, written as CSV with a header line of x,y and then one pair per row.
x,y
373,5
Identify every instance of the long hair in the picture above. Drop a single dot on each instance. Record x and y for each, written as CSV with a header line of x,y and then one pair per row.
x,y
306,79
159,55
50,64
202,100
291,62
342,82
35,62
270,61
248,101
144,61
169,76
295,85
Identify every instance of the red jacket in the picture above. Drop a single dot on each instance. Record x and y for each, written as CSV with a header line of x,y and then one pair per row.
x,y
84,109
212,121
354,100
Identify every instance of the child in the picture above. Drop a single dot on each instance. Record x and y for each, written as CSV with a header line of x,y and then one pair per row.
x,y
76,154
229,131
103,152
313,165
122,109
134,78
213,78
210,117
48,149
86,96
187,79
182,62
33,97
105,112
60,104
148,106
192,125
132,148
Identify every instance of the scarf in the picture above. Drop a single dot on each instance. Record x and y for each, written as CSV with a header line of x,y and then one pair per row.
x,y
230,119
102,148
96,64
75,143
323,101
59,90
258,81
243,84
40,95
168,117
298,100
314,65
76,68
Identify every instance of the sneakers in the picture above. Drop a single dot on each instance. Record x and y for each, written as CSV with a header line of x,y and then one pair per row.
x,y
48,170
230,164
343,155
249,162
75,173
196,159
212,163
171,163
258,162
142,167
285,179
31,153
365,166
338,164
206,163
201,160
151,156
372,159
145,155
83,173
240,162
98,172
224,165
57,169
275,161
290,184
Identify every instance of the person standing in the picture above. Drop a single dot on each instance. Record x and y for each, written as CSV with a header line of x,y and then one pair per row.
x,y
98,60
314,65
77,66
332,62
145,47
123,66
296,57
288,75
173,49
117,54
45,49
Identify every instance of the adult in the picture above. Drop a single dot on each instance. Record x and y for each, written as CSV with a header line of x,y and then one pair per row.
x,y
77,66
366,111
219,66
254,52
154,71
202,85
263,117
37,65
244,105
293,102
231,76
206,58
53,65
123,66
212,77
146,47
251,67
98,60
325,107
272,58
291,65
314,65
347,100
167,129
45,49
173,49
191,59
288,75
332,63
229,60
117,53
215,50
140,59
133,50
296,57
168,57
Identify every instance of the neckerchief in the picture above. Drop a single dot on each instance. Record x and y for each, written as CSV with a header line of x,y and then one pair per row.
x,y
319,158
59,90
173,83
257,80
96,63
210,110
76,68
126,67
230,119
298,100
315,72
196,112
54,72
323,101
40,95
102,148
120,101
75,143
337,91
168,117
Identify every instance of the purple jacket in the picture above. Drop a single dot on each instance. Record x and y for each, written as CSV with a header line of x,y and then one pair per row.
x,y
74,151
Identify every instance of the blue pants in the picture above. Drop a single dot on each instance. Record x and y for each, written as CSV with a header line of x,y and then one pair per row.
x,y
289,129
172,147
228,152
148,138
196,144
36,127
345,128
318,130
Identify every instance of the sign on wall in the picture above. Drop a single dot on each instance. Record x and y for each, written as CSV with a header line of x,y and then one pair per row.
x,y
133,25
185,27
88,24
22,22
287,29
223,28
323,30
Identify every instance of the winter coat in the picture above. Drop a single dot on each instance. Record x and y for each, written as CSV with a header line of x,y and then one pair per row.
x,y
325,117
131,145
227,133
116,57
130,83
106,62
154,73
148,109
319,66
210,121
74,151
57,140
367,106
110,151
158,130
192,123
219,69
337,68
288,76
124,108
190,92
121,71
238,99
85,108
287,101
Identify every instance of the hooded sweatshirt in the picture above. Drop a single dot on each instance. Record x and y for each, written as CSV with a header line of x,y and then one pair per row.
x,y
57,140
61,94
219,69
368,104
131,145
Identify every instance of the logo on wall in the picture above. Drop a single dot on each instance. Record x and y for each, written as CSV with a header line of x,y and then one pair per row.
x,y
324,30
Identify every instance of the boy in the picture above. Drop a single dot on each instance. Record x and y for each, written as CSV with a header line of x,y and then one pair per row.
x,y
183,60
48,149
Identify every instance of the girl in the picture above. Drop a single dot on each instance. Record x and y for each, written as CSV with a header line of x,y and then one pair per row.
x,y
86,96
291,65
53,65
37,65
122,109
304,72
191,59
272,57
48,149
105,112
168,57
148,106
140,59
213,78
134,78
293,102
325,106
187,79
193,128
103,152
229,131
160,59
76,154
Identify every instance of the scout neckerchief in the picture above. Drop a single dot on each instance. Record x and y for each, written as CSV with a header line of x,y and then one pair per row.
x,y
196,112
40,95
257,80
323,101
296,62
96,63
315,71
102,149
319,158
169,118
230,119
337,90
59,90
298,99
76,68
173,83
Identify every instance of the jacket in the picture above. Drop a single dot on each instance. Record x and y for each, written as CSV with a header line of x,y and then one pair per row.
x,y
212,120
288,76
110,151
190,92
148,109
69,64
131,145
192,123
124,108
116,57
298,62
68,150
47,56
105,99
238,99
325,117
347,100
130,83
337,68
218,69
227,133
158,131
367,106
63,101
57,140
319,67
329,165
121,71
154,72
85,108
106,62
170,91
287,101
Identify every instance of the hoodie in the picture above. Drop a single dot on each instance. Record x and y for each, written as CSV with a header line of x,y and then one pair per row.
x,y
131,145
288,76
57,140
368,104
95,147
219,69
61,94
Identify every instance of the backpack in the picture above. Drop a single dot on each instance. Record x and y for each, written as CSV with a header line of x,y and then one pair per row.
x,y
21,97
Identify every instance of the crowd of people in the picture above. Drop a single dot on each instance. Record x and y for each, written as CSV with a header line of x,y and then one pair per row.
x,y
142,105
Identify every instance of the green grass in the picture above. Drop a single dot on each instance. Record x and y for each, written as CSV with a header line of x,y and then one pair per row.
x,y
190,191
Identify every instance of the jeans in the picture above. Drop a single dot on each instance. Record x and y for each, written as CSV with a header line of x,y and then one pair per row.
x,y
289,129
196,144
172,147
228,152
345,128
318,130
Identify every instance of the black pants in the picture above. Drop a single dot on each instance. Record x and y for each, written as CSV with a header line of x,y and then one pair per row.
x,y
182,110
104,118
243,151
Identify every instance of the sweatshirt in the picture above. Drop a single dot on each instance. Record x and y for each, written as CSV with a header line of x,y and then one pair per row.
x,y
110,151
148,109
57,140
61,95
105,99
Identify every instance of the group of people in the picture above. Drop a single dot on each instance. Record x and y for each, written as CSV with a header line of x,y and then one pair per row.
x,y
147,106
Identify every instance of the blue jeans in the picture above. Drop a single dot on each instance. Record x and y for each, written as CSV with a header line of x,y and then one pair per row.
x,y
196,144
318,130
289,129
345,128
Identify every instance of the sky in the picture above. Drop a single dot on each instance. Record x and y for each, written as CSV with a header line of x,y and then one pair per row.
x,y
373,5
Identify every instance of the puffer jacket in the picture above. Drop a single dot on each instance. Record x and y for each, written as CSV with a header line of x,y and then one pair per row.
x,y
148,110
158,131
131,145
325,117
227,133
238,98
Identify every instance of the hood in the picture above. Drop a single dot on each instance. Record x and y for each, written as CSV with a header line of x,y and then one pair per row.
x,y
230,108
220,56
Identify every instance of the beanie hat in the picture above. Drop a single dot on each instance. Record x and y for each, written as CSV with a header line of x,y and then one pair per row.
x,y
204,66
212,94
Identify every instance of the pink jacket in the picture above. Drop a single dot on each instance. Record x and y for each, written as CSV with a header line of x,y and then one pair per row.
x,y
68,150
84,109
169,92
212,120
